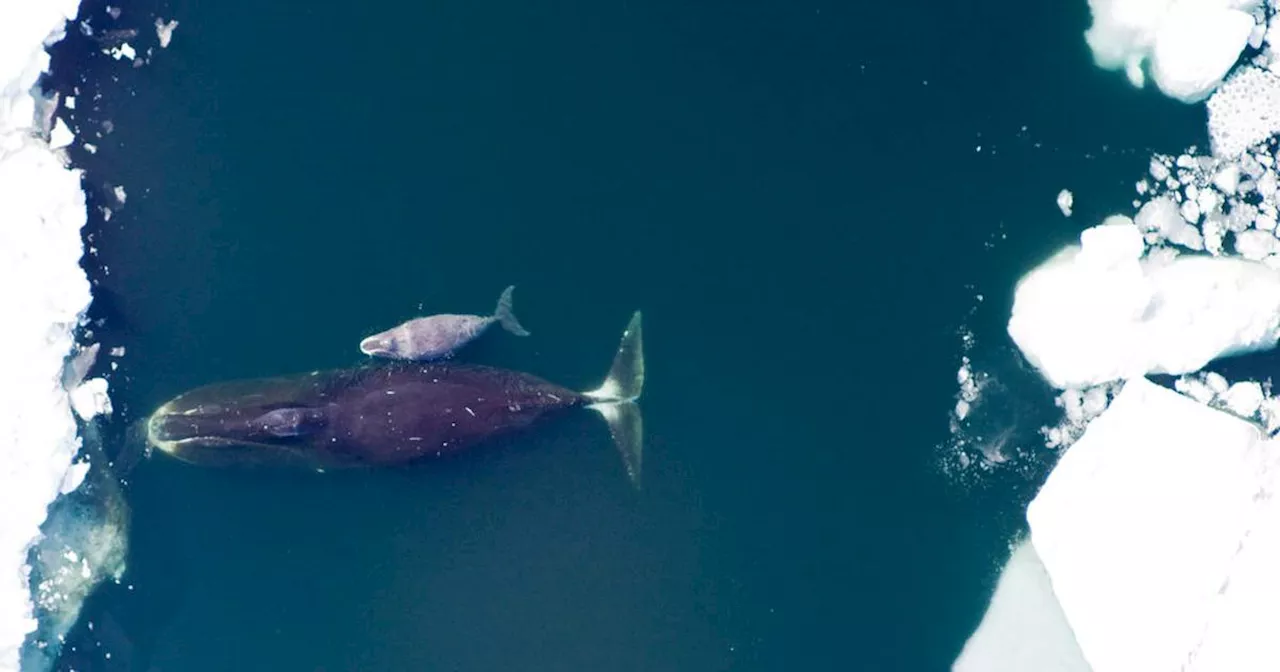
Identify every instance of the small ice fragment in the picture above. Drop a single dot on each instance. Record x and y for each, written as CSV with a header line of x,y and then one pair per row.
x,y
113,11
61,135
120,195
1227,179
70,102
1194,388
1208,201
117,351
1190,211
90,399
1244,398
1267,184
1256,245
1216,382
91,148
74,477
1065,199
1256,37
1095,401
165,31
1158,170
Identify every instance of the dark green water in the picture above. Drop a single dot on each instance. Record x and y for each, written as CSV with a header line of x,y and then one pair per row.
x,y
793,194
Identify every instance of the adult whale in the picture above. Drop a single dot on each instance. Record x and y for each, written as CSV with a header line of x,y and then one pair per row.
x,y
380,415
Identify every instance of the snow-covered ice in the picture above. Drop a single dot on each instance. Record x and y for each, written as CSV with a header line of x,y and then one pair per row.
x,y
45,294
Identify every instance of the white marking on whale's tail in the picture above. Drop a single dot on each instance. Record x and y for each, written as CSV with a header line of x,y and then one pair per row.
x,y
505,313
616,398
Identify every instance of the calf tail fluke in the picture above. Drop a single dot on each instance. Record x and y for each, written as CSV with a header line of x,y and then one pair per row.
x,y
616,398
506,316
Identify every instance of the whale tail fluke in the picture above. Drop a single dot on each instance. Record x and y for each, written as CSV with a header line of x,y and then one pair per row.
x,y
616,398
506,315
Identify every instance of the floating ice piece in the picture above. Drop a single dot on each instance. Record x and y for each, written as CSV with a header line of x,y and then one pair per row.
x,y
1065,199
1191,44
1196,47
1099,312
1243,398
1244,111
1256,245
74,477
61,135
125,50
90,399
1157,531
164,31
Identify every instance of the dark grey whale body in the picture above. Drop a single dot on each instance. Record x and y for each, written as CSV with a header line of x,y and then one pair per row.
x,y
387,414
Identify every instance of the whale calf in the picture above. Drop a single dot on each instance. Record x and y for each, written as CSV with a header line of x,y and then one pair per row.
x,y
388,415
439,336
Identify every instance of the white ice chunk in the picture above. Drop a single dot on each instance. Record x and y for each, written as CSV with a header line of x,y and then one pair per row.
x,y
90,399
1243,398
1065,200
61,136
1191,44
165,31
1196,46
1227,179
74,477
125,50
1024,628
1162,215
1195,388
1157,531
1256,245
1097,312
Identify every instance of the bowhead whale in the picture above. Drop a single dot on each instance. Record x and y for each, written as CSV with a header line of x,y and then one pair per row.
x,y
395,413
439,336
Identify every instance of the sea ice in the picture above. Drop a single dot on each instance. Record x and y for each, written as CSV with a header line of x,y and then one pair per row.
x,y
1147,529
43,210
1190,44
1100,312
